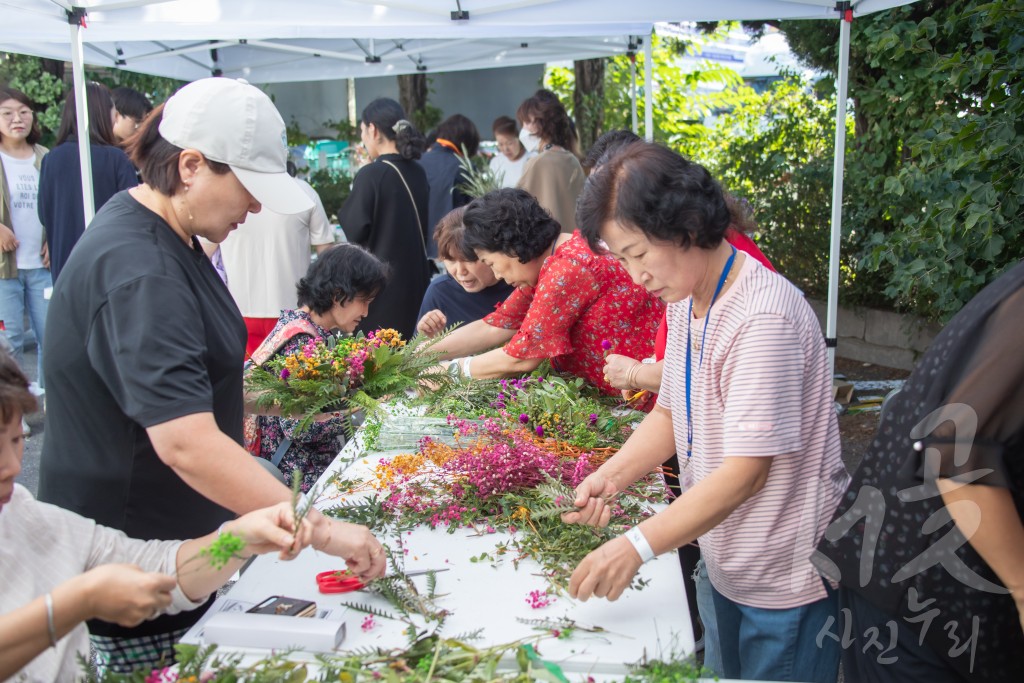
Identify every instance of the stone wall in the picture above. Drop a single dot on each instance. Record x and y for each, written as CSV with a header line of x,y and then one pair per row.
x,y
879,337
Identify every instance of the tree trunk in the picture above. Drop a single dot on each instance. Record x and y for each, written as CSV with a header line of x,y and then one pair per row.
x,y
588,101
412,93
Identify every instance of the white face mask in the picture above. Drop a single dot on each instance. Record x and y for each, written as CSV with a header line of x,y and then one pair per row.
x,y
530,141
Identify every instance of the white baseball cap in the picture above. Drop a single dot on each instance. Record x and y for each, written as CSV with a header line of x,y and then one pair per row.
x,y
236,124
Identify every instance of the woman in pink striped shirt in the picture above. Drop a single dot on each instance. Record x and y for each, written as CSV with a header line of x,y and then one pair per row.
x,y
745,401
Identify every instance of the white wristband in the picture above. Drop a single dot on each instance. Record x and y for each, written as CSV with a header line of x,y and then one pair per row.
x,y
465,367
640,544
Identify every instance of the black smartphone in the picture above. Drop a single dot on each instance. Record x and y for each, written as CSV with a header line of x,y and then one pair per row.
x,y
288,607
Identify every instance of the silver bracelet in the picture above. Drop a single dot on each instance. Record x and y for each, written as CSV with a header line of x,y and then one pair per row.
x,y
640,544
465,367
48,599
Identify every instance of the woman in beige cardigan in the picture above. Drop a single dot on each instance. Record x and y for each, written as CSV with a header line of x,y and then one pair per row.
x,y
554,176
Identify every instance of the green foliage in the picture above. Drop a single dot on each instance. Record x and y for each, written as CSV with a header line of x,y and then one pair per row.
x,y
951,191
775,150
346,130
156,88
680,103
427,118
477,177
334,187
225,548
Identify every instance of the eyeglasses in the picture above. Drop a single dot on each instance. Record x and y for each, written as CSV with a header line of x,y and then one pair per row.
x,y
9,114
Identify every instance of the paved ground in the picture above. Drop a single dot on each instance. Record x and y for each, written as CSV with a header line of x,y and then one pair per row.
x,y
29,477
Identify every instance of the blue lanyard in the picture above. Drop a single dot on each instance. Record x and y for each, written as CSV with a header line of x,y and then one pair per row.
x,y
700,360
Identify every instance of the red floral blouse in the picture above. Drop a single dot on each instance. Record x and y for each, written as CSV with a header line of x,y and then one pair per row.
x,y
581,298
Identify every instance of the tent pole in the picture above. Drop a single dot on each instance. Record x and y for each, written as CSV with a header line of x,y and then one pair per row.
x,y
845,19
632,90
76,20
649,88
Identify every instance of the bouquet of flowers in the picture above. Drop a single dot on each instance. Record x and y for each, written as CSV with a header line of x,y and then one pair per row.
x,y
344,374
562,407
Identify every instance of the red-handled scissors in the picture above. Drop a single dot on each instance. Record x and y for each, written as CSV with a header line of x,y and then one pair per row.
x,y
338,582
341,581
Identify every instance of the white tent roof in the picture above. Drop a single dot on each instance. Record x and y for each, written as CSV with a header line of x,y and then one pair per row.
x,y
269,41
275,61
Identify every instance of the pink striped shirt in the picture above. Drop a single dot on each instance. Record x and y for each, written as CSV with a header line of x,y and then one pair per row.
x,y
764,390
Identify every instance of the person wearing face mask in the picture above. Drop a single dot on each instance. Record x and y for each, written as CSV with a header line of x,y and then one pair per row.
x,y
508,164
469,291
145,406
334,295
554,176
387,213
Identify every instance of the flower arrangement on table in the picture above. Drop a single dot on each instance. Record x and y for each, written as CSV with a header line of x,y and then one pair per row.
x,y
497,477
562,407
344,374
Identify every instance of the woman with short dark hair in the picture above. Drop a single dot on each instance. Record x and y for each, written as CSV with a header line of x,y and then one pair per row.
x,y
387,212
335,295
745,402
570,305
554,176
60,176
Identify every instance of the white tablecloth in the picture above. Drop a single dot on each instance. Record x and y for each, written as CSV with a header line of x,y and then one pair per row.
x,y
652,622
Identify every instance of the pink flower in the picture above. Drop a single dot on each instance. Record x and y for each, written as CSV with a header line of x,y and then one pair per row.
x,y
524,418
368,623
164,675
285,373
539,430
538,599
606,345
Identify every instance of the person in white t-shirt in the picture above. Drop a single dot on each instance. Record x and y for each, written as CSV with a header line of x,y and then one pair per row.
x,y
745,402
509,162
265,261
24,260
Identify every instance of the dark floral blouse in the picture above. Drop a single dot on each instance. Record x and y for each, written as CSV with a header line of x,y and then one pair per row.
x,y
580,300
314,449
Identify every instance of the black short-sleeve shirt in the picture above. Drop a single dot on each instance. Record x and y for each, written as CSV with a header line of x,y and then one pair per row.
x,y
141,330
960,415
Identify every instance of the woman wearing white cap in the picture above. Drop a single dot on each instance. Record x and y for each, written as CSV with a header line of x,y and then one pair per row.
x,y
145,411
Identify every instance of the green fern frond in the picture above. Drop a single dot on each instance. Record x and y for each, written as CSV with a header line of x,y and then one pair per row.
x,y
369,609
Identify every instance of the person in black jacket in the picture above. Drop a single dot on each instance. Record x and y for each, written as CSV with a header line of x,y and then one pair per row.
x,y
387,213
456,135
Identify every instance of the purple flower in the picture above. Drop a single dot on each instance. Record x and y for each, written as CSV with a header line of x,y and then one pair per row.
x,y
539,430
285,373
593,418
606,345
524,418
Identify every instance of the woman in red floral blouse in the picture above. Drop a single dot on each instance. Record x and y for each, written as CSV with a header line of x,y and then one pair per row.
x,y
569,305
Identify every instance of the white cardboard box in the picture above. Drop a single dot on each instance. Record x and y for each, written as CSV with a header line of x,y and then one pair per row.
x,y
274,632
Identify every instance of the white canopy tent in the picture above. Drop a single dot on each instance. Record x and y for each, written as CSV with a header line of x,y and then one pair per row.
x,y
413,35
